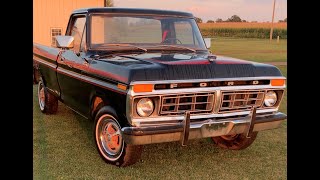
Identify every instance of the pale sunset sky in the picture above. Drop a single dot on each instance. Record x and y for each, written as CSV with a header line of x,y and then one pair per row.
x,y
250,10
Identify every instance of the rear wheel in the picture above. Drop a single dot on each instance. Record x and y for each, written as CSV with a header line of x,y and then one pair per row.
x,y
109,141
235,142
48,103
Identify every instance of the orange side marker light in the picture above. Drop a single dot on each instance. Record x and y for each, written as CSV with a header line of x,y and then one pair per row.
x,y
277,82
122,86
143,88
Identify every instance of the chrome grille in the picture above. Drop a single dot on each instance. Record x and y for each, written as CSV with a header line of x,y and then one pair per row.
x,y
195,103
240,100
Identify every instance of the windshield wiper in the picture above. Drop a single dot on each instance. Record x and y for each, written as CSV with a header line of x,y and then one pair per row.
x,y
98,56
181,47
110,55
127,45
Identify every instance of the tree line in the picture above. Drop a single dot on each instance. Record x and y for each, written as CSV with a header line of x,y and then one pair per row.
x,y
234,18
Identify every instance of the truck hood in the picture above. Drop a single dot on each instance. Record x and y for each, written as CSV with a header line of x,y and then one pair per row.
x,y
177,66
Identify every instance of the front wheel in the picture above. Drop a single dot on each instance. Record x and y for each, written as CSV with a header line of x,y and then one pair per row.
x,y
109,141
235,142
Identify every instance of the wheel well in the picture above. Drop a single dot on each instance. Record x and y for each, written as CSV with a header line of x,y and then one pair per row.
x,y
36,75
97,103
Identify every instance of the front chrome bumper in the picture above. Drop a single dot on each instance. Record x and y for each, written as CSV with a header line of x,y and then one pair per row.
x,y
194,130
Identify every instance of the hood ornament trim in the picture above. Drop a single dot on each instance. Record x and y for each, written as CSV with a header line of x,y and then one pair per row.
x,y
211,58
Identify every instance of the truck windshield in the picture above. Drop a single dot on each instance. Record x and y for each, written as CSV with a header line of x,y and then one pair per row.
x,y
144,31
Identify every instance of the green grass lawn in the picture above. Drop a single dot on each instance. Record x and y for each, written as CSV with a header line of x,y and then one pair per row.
x,y
63,146
260,50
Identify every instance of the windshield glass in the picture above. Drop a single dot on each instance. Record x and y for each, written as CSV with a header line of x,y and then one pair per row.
x,y
115,31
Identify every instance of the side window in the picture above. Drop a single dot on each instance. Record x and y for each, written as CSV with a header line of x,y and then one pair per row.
x,y
77,31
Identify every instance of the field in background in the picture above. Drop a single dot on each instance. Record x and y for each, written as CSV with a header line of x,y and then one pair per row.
x,y
243,30
260,50
63,144
242,25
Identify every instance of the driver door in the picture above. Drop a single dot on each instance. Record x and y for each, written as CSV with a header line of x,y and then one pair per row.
x,y
70,66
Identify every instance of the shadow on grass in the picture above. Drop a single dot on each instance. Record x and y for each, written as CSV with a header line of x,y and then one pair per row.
x,y
86,125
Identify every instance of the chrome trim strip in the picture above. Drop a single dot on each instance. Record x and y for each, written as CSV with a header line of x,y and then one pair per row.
x,y
212,122
51,65
138,121
129,108
208,80
217,102
91,80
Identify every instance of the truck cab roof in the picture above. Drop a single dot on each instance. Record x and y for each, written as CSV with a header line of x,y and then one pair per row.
x,y
133,11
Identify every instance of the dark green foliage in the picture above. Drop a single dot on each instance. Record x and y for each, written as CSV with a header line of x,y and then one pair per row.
x,y
198,20
234,18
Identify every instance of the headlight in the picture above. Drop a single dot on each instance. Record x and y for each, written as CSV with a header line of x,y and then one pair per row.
x,y
270,98
145,107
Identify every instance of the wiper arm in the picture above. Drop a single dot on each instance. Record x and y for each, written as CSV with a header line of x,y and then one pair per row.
x,y
181,47
97,56
111,55
128,45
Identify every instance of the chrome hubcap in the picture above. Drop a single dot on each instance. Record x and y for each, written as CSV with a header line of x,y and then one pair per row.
x,y
109,137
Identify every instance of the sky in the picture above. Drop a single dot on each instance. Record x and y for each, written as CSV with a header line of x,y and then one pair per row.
x,y
250,10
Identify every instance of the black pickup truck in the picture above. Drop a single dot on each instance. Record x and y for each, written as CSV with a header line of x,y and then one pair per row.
x,y
146,76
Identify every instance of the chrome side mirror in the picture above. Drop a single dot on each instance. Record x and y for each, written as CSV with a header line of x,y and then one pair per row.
x,y
64,41
208,42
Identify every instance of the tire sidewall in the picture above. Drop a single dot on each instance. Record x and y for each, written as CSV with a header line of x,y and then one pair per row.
x,y
108,112
40,83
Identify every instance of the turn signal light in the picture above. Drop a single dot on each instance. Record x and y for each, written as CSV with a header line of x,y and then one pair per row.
x,y
122,86
277,82
142,88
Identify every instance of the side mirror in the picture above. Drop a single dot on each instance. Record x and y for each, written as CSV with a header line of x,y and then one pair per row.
x,y
64,41
208,42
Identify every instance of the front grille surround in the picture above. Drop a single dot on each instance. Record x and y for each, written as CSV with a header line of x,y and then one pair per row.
x,y
207,102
